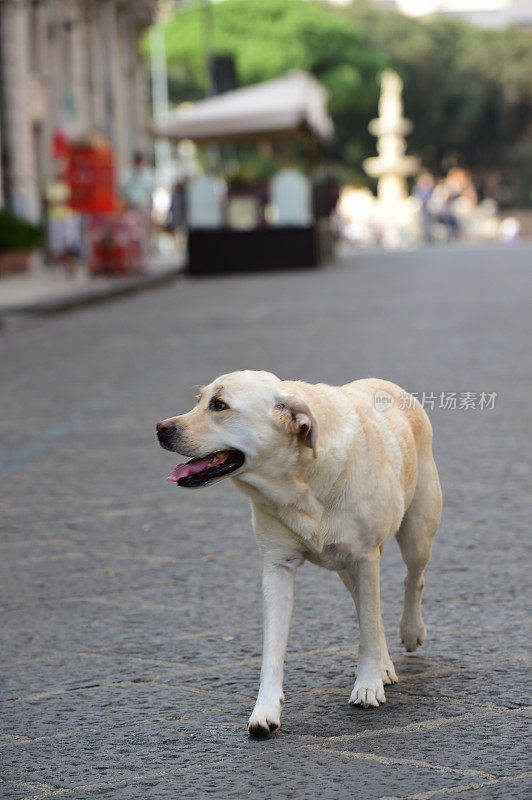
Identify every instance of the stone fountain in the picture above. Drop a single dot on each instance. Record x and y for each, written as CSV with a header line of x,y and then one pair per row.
x,y
395,215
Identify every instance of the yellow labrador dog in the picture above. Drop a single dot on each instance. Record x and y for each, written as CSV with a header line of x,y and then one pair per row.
x,y
332,472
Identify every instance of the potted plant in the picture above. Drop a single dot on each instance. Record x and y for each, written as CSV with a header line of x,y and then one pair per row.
x,y
18,238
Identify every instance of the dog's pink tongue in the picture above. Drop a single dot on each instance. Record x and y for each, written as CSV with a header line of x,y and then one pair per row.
x,y
195,465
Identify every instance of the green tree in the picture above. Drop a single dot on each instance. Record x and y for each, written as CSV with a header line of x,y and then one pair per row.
x,y
468,90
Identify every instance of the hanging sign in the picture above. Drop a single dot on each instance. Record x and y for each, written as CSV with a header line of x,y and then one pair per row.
x,y
92,179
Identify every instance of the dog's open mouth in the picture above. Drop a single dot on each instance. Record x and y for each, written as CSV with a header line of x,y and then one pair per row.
x,y
201,471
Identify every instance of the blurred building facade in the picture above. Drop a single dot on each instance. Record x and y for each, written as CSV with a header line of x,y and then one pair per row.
x,y
67,67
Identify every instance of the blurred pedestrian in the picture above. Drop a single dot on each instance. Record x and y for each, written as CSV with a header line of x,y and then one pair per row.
x,y
137,189
63,226
462,188
423,190
442,206
459,201
510,230
177,213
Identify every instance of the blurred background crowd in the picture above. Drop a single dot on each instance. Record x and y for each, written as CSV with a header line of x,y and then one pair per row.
x,y
128,125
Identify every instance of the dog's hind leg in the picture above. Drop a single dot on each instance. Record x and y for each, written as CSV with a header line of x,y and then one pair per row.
x,y
415,536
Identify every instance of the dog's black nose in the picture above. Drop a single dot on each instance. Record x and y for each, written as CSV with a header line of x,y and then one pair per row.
x,y
166,427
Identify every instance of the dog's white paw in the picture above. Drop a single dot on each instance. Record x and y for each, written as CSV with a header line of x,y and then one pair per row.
x,y
367,693
264,720
388,673
413,633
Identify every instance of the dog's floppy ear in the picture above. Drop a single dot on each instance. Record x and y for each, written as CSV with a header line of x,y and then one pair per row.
x,y
294,415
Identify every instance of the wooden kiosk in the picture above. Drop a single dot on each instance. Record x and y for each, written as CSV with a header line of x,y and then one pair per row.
x,y
279,225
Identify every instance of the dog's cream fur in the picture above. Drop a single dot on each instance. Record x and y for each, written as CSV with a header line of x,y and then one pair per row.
x,y
330,478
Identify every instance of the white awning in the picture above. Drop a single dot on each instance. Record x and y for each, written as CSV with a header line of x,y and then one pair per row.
x,y
294,102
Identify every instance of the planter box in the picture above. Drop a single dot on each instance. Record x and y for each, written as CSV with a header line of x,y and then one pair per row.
x,y
14,261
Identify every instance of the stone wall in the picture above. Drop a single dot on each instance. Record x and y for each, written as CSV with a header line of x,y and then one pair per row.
x,y
71,65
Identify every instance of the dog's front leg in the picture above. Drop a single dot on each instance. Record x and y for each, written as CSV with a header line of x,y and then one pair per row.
x,y
364,575
278,599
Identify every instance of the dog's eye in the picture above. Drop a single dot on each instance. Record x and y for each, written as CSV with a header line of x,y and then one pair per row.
x,y
217,405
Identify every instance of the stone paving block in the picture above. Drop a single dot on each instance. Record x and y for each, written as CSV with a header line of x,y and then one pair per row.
x,y
66,672
513,789
21,790
492,743
297,772
461,618
505,684
329,714
125,631
116,753
119,704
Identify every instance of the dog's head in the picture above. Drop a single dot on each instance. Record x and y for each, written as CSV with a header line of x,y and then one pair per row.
x,y
243,421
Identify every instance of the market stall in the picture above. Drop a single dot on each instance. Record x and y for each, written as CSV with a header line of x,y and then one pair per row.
x,y
274,224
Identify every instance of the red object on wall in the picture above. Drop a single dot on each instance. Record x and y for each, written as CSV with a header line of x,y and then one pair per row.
x,y
115,244
60,144
92,179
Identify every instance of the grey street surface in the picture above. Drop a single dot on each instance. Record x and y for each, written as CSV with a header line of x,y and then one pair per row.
x,y
131,610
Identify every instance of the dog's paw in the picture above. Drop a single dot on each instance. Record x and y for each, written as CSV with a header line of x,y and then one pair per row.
x,y
388,673
264,720
413,633
367,693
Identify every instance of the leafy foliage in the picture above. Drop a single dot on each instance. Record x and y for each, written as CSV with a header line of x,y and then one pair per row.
x,y
468,90
17,234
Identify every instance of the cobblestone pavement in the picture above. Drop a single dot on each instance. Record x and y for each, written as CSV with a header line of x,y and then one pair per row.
x,y
131,632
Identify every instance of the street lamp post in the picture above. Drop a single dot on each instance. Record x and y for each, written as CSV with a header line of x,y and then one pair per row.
x,y
160,105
